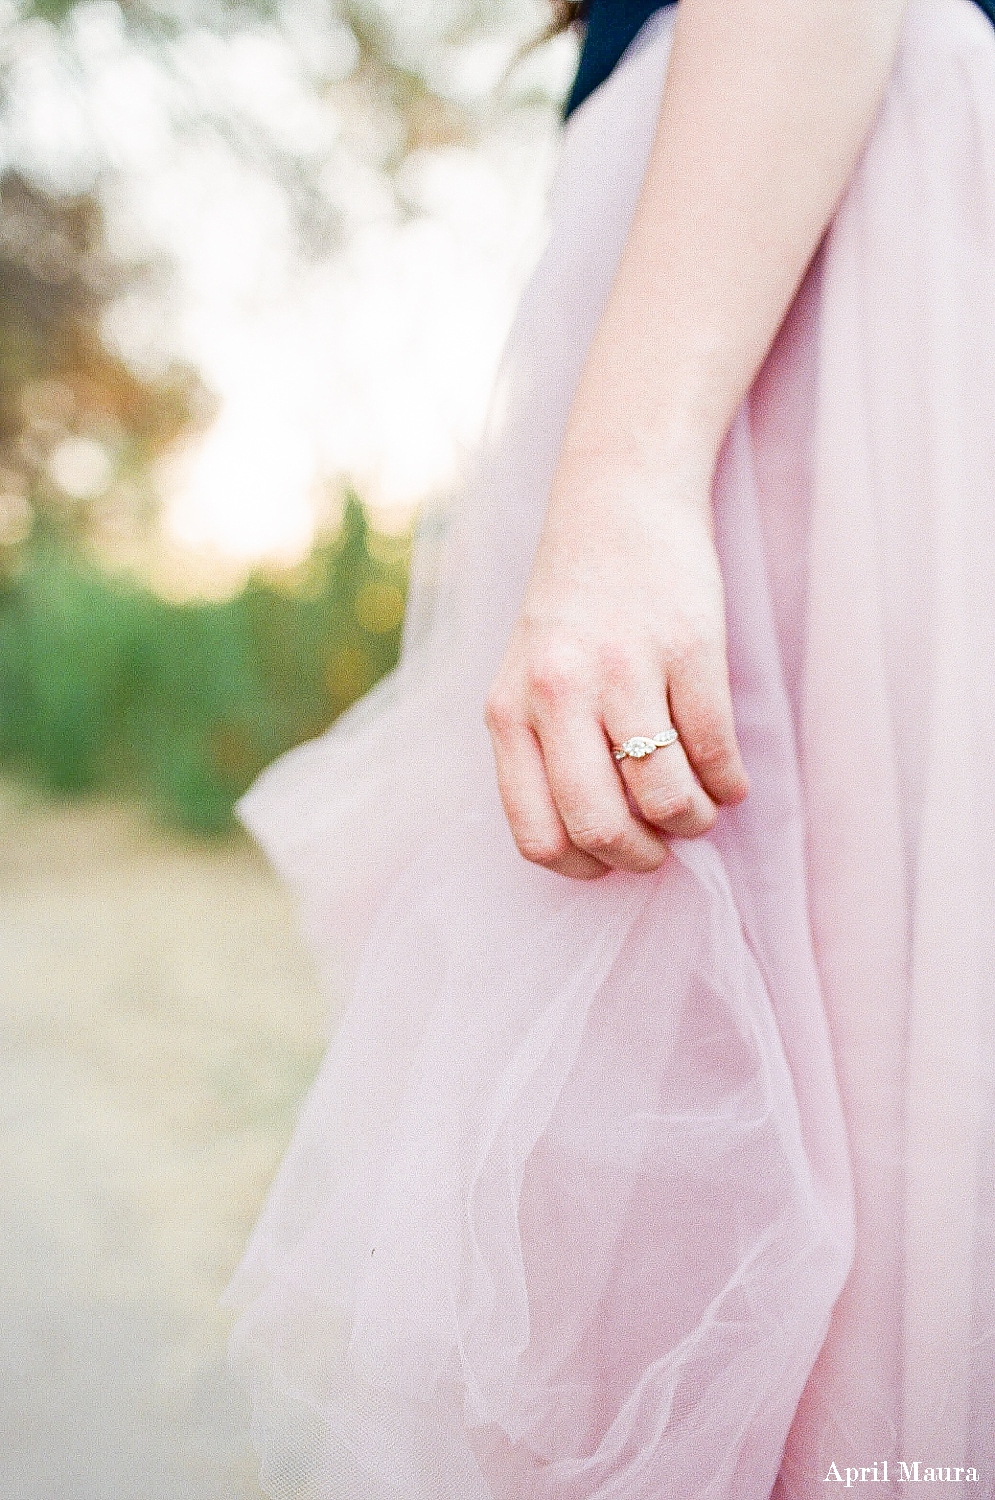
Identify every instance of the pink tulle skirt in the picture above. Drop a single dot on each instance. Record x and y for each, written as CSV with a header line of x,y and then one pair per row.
x,y
682,1186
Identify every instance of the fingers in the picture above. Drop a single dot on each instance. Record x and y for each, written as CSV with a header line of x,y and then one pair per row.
x,y
701,709
565,805
663,785
535,824
590,798
565,796
678,787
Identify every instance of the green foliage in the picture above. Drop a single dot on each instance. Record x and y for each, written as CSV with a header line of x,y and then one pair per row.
x,y
106,686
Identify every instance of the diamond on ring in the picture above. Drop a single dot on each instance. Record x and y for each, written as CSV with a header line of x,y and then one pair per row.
x,y
639,745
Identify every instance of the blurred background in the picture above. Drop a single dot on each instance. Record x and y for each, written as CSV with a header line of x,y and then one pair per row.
x,y
257,262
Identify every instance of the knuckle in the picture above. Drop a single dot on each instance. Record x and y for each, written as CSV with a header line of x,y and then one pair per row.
x,y
711,751
599,838
683,811
646,863
500,715
551,685
688,637
693,645
618,666
553,679
737,789
714,755
671,807
538,850
705,818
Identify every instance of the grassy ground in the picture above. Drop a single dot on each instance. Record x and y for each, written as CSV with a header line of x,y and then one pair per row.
x,y
160,1024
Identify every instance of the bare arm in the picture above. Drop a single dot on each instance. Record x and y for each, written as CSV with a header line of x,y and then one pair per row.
x,y
766,107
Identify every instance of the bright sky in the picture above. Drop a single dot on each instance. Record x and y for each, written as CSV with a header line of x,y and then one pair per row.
x,y
372,364
375,367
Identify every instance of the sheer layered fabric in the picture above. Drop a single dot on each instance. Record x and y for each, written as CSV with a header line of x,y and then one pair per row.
x,y
676,1187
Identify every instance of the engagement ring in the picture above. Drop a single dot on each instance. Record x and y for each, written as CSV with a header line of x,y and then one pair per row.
x,y
639,745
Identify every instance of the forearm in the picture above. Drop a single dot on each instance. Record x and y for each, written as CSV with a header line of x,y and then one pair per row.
x,y
766,107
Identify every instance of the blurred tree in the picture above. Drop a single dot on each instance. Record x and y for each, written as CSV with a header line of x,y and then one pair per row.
x,y
398,61
78,427
103,683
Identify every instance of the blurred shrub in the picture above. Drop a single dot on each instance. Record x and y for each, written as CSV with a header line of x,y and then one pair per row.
x,y
106,686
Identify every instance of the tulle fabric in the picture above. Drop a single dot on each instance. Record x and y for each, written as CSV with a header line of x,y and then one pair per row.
x,y
676,1187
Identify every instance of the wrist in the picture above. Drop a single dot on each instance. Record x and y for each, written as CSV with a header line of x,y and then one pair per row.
x,y
604,467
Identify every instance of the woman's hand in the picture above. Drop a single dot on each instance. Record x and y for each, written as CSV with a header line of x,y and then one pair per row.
x,y
621,633
765,109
